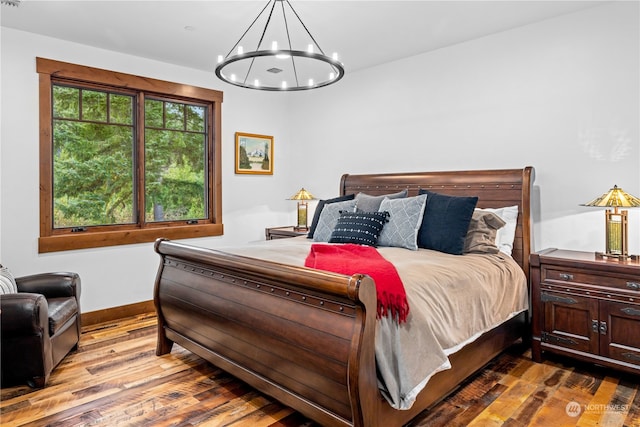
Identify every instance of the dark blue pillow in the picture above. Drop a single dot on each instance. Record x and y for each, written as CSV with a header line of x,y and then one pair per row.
x,y
362,228
445,222
321,203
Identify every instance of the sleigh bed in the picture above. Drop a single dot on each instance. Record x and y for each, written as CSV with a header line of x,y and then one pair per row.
x,y
307,337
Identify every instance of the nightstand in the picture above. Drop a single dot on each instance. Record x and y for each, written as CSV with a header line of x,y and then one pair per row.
x,y
586,307
283,232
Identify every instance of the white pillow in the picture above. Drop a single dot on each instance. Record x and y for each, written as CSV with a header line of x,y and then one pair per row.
x,y
7,282
506,235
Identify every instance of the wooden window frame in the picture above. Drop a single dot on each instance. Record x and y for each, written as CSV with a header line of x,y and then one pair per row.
x,y
52,240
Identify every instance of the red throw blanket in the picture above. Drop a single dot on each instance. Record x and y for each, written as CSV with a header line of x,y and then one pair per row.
x,y
351,259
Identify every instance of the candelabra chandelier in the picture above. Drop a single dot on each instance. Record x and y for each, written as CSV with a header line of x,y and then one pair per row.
x,y
275,68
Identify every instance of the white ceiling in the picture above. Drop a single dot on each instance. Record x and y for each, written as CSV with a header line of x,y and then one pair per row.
x,y
193,33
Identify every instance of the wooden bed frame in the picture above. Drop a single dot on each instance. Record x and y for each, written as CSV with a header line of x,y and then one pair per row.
x,y
306,337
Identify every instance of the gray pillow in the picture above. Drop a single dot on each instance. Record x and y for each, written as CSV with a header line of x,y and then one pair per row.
x,y
367,203
405,219
329,218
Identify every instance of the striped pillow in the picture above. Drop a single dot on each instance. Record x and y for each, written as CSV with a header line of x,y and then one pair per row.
x,y
7,282
362,228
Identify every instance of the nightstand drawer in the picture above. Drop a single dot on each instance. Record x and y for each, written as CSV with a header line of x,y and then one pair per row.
x,y
568,276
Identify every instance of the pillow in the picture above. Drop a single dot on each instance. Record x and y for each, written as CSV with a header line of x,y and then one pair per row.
x,y
481,236
506,235
367,203
362,228
7,282
320,206
446,221
405,218
329,218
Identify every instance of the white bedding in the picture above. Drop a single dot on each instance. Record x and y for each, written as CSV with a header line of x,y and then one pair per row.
x,y
453,299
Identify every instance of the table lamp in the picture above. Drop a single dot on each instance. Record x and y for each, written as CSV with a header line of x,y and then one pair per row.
x,y
615,221
302,196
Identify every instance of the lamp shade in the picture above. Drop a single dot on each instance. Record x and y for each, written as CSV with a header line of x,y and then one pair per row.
x,y
615,197
302,194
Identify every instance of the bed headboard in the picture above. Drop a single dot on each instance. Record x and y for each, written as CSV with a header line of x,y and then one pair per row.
x,y
494,188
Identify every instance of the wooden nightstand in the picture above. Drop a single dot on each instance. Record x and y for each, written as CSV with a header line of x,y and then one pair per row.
x,y
586,307
283,232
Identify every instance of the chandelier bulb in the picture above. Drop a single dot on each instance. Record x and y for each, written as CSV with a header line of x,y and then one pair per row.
x,y
274,45
310,82
284,85
332,76
256,83
233,77
310,48
335,56
240,50
220,58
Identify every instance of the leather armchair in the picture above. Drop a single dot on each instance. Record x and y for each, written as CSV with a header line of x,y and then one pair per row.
x,y
40,325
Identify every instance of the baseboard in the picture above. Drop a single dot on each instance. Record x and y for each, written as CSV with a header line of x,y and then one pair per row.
x,y
115,313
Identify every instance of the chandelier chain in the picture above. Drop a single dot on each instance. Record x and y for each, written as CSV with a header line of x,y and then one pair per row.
x,y
247,30
286,27
264,31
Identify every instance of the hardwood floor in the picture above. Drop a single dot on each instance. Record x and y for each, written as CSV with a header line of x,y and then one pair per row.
x,y
116,379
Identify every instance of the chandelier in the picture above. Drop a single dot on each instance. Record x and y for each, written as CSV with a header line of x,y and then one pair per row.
x,y
11,2
275,64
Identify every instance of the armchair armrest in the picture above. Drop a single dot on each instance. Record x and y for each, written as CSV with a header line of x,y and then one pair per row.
x,y
51,285
24,314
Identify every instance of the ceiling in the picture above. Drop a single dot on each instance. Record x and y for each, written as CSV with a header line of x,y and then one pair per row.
x,y
193,33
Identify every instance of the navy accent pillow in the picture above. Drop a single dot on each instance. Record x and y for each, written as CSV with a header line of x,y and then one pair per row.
x,y
362,228
445,222
320,206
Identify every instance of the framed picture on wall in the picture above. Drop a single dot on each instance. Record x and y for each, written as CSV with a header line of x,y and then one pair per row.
x,y
254,154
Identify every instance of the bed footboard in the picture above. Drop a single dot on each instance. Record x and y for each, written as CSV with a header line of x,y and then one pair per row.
x,y
302,336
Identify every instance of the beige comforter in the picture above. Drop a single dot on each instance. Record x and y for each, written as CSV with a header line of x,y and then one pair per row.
x,y
453,299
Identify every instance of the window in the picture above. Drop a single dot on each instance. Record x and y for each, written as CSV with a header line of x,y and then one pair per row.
x,y
125,159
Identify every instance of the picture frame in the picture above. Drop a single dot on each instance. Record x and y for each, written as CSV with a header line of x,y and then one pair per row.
x,y
254,154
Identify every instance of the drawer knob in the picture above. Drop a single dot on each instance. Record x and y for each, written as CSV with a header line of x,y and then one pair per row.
x,y
603,328
566,276
633,285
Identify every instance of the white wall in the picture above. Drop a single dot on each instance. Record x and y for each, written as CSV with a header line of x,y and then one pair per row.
x,y
122,275
562,95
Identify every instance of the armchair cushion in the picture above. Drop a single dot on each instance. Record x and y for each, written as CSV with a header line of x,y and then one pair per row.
x,y
61,310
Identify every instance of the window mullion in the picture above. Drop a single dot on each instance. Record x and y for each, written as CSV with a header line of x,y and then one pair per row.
x,y
140,160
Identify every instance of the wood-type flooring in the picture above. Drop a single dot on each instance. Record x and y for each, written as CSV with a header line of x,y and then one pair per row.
x,y
115,379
